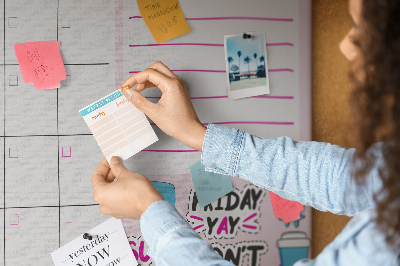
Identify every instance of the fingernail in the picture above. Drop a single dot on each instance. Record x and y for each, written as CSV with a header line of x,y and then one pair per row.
x,y
129,92
115,160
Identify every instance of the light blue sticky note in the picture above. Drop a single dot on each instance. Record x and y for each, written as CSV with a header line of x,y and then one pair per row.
x,y
209,186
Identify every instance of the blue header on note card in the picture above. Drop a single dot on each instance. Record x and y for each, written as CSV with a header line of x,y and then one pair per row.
x,y
100,103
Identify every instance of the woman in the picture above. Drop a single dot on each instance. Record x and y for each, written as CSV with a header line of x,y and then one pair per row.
x,y
363,183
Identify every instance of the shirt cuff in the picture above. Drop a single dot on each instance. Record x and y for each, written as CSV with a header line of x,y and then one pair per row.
x,y
222,148
158,219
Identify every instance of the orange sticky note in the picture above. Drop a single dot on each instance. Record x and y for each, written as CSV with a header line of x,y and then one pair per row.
x,y
164,18
41,63
284,209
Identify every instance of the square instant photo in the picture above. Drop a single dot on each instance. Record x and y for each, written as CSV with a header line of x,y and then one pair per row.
x,y
246,65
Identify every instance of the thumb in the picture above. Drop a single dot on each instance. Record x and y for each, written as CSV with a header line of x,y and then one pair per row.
x,y
117,167
139,101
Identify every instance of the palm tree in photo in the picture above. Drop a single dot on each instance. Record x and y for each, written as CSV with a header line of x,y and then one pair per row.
x,y
255,60
234,68
247,60
262,59
230,60
239,53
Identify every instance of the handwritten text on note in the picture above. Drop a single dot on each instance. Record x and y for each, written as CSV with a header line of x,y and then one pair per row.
x,y
164,18
41,63
209,186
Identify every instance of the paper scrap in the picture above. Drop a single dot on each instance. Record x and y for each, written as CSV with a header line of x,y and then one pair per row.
x,y
284,209
209,186
164,18
118,126
109,246
41,63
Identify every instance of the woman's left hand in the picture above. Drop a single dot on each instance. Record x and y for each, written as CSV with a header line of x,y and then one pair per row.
x,y
127,197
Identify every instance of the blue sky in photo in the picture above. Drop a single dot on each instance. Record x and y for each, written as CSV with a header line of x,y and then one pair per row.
x,y
248,47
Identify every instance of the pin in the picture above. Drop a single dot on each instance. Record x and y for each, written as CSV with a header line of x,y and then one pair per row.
x,y
87,236
246,36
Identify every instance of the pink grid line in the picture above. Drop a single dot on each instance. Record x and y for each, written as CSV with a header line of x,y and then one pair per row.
x,y
17,217
9,154
203,44
219,71
67,27
62,151
9,80
9,23
236,18
223,97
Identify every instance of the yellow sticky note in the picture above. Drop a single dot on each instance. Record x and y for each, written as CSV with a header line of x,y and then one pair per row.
x,y
164,18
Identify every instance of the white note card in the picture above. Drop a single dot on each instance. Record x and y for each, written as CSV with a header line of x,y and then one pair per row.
x,y
118,126
109,246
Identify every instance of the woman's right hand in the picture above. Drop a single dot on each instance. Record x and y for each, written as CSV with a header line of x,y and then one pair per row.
x,y
173,113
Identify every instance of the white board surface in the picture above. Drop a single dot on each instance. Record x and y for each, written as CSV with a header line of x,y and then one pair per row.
x,y
47,154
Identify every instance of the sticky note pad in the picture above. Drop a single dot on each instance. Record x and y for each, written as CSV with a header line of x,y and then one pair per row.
x,y
209,186
164,18
284,209
41,63
118,126
108,246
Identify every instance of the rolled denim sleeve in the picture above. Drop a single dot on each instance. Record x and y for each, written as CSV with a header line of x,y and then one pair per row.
x,y
172,240
313,173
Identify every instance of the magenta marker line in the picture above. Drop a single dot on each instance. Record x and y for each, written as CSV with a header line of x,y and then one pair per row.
x,y
199,70
274,97
171,150
17,221
235,18
251,216
244,18
202,44
219,71
9,154
252,122
222,97
242,122
281,70
9,22
171,44
280,44
249,226
196,217
197,227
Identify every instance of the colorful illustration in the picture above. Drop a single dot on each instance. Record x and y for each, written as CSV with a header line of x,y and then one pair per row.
x,y
237,252
224,218
295,223
140,248
284,209
166,190
293,246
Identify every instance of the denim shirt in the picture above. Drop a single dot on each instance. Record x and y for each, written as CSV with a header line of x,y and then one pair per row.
x,y
312,173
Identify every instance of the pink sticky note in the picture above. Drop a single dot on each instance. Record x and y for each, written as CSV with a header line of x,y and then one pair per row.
x,y
41,63
284,209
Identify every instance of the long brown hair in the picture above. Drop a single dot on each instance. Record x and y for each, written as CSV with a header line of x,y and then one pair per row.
x,y
375,102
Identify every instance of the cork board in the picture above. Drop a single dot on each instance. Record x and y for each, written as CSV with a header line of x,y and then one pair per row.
x,y
331,89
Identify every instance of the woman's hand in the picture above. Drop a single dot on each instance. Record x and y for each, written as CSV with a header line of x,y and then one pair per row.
x,y
127,197
174,113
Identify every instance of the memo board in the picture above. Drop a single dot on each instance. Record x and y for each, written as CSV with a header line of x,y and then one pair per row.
x,y
49,155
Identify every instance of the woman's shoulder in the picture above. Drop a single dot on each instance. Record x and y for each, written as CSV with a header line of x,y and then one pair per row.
x,y
362,241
